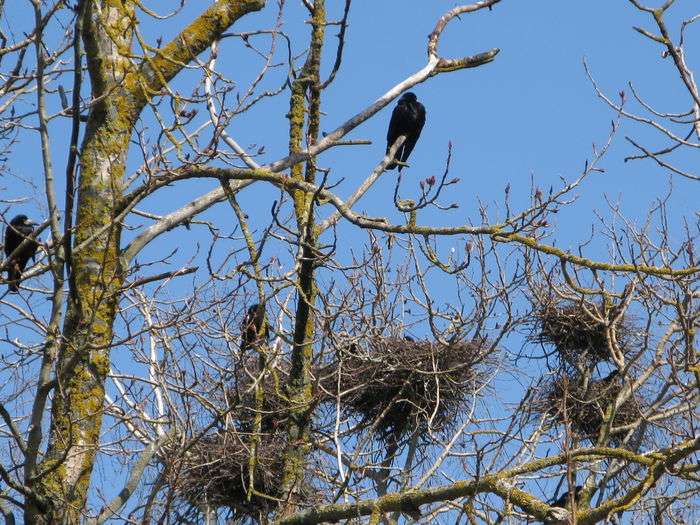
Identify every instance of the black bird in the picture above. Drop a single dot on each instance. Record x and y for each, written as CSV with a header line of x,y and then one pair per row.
x,y
407,119
251,327
563,500
612,376
19,228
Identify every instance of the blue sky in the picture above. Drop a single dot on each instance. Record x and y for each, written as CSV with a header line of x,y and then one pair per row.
x,y
531,115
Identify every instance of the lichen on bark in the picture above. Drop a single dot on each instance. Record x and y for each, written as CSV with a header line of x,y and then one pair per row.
x,y
121,88
299,389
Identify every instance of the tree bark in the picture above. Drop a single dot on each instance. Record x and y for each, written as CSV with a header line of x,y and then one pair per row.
x,y
121,88
299,388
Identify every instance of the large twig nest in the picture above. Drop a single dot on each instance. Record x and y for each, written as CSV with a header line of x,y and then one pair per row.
x,y
215,472
580,333
586,406
402,384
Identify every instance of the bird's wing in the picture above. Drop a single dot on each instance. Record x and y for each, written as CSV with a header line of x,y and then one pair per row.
x,y
11,240
23,259
13,276
29,251
421,116
396,129
418,121
410,143
28,231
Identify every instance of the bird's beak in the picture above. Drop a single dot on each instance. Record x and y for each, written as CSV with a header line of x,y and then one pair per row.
x,y
29,222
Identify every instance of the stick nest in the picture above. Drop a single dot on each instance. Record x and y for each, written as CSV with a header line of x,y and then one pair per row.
x,y
567,397
576,334
215,472
216,469
403,385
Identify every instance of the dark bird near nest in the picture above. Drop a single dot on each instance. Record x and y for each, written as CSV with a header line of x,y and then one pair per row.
x,y
407,119
19,228
612,376
563,500
252,326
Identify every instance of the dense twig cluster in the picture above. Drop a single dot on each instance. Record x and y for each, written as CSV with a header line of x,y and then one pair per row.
x,y
402,385
579,332
258,393
215,472
588,406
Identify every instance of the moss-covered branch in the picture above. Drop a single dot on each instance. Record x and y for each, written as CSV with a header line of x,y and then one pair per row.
x,y
120,91
298,386
448,65
503,485
500,232
168,61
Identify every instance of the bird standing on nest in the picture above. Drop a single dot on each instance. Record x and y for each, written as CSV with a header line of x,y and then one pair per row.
x,y
252,328
407,119
19,229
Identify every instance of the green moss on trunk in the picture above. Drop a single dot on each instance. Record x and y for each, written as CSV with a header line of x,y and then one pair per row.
x,y
299,388
120,89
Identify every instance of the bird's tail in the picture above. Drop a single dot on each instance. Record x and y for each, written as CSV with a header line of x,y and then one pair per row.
x,y
13,277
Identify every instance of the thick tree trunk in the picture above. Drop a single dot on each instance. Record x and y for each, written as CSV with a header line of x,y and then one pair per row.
x,y
83,361
120,89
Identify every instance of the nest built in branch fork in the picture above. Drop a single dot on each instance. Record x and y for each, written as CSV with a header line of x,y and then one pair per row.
x,y
587,406
403,385
215,472
579,333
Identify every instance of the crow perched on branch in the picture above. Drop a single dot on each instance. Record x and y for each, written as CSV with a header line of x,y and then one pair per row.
x,y
19,228
407,119
251,327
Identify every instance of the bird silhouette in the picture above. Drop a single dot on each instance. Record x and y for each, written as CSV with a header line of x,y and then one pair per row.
x,y
252,325
19,228
563,500
407,119
612,376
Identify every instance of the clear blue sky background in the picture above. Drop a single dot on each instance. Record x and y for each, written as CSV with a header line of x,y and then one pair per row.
x,y
531,114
